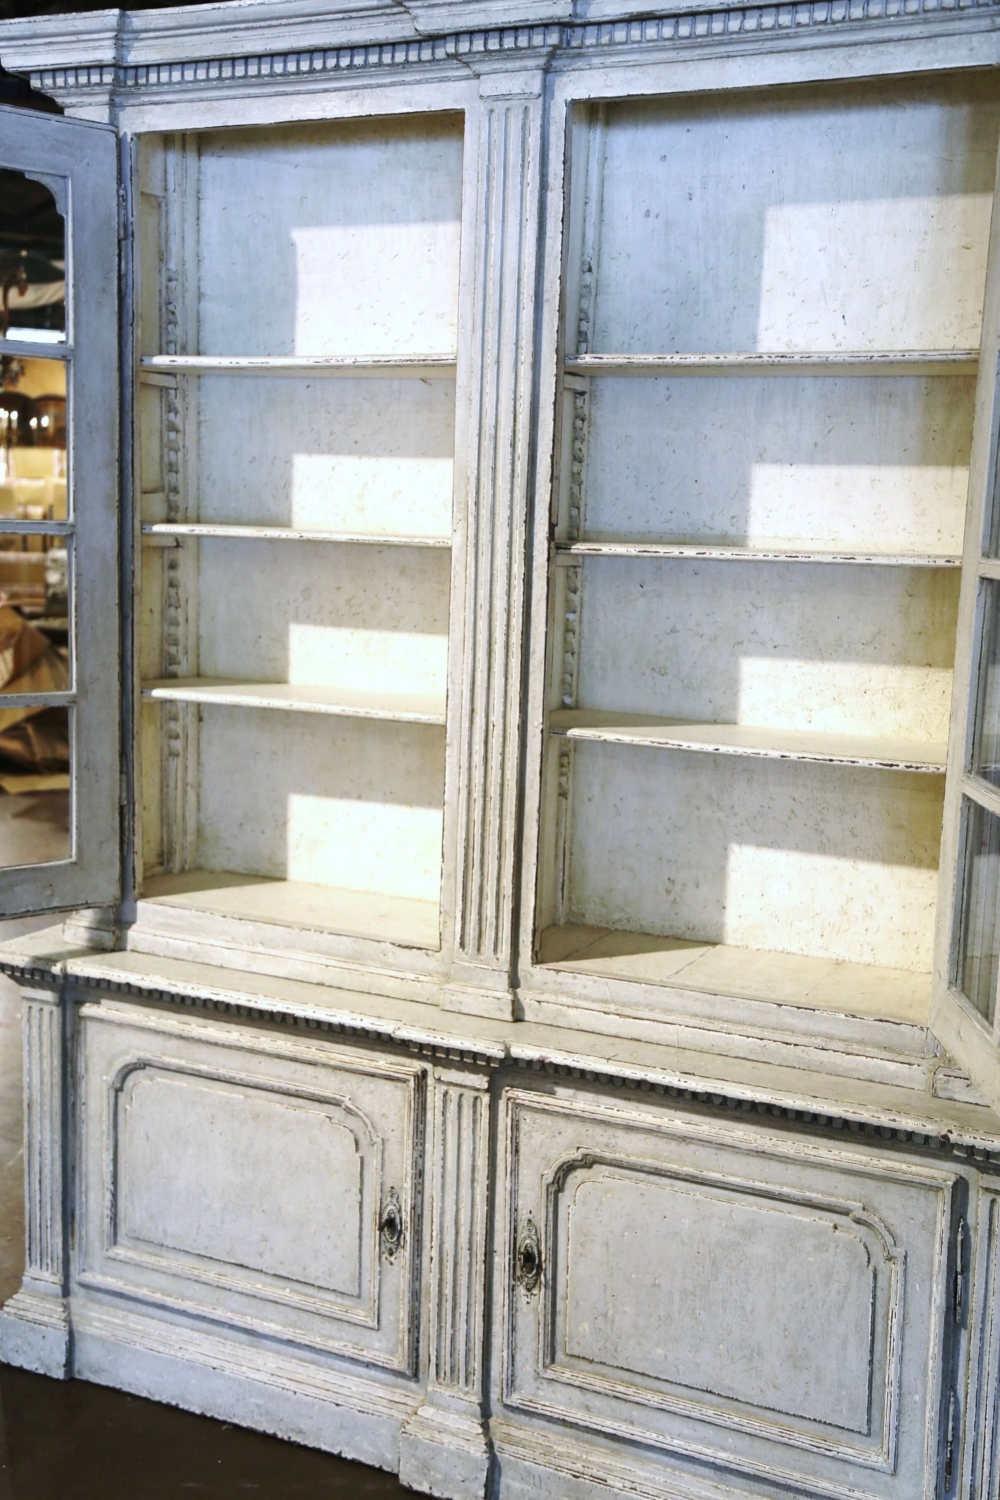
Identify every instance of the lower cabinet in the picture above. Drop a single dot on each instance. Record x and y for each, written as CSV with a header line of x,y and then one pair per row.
x,y
770,1308
262,1181
501,1282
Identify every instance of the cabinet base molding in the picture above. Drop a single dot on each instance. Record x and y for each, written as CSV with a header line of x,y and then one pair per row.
x,y
530,1459
34,1334
444,1453
249,1384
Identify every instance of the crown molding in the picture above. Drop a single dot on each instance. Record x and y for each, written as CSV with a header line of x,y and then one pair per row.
x,y
91,63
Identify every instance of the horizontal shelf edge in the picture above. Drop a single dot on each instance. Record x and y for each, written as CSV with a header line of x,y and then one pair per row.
x,y
287,534
427,366
285,698
645,731
850,362
755,554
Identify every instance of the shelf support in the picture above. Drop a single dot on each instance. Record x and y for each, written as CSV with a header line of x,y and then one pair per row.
x,y
34,1324
491,570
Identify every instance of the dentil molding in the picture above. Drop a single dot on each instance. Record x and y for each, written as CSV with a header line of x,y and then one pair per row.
x,y
278,42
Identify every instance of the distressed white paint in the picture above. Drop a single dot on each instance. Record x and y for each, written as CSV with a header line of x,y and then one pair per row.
x,y
823,861
356,234
770,914
848,651
355,231
892,180
357,805
871,464
369,456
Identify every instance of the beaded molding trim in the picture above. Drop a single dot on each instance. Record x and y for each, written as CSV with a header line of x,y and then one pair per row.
x,y
659,32
814,1118
710,1098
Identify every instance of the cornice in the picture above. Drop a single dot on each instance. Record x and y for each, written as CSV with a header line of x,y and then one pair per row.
x,y
550,1055
119,54
903,1128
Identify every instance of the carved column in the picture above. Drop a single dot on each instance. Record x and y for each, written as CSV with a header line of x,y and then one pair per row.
x,y
444,1448
34,1324
500,453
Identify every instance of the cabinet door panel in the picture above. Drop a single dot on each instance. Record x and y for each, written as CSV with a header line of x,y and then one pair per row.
x,y
244,1177
728,1296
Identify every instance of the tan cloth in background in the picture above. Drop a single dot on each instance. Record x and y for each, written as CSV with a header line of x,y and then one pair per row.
x,y
29,664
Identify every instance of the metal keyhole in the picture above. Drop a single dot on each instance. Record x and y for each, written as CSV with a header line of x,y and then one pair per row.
x,y
528,1258
391,1225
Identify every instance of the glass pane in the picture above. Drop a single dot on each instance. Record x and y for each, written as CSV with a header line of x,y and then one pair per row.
x,y
34,603
34,653
34,786
33,461
32,259
980,920
986,739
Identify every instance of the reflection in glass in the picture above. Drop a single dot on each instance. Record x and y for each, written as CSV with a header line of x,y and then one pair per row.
x,y
980,923
34,612
986,740
35,787
32,261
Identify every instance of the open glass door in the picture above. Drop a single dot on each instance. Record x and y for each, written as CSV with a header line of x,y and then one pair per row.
x,y
59,614
965,1015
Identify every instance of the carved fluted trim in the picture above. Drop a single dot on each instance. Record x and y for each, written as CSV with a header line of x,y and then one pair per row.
x,y
444,1446
458,1242
502,394
43,1138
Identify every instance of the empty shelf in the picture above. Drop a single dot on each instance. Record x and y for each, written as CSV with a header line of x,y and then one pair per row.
x,y
799,362
412,708
255,898
287,534
784,978
775,552
738,739
420,366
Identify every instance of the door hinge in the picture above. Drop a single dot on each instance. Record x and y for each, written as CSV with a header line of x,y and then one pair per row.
x,y
961,1268
951,1440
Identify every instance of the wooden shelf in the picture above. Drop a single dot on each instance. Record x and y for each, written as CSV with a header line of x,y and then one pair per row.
x,y
409,708
764,553
805,362
417,366
295,903
179,529
739,739
755,974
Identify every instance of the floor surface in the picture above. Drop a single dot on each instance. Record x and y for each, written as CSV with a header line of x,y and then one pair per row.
x,y
74,1441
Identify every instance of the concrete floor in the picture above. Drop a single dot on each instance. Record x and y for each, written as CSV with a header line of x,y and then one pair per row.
x,y
75,1441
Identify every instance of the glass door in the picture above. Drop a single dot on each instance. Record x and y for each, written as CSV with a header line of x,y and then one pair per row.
x,y
59,617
